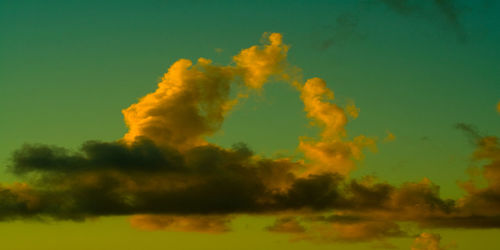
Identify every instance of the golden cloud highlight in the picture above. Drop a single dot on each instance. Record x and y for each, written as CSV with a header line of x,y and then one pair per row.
x,y
192,100
257,64
332,153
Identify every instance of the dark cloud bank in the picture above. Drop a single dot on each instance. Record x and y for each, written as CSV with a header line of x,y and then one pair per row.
x,y
113,178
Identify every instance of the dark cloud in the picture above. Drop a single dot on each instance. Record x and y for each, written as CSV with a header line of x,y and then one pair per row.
x,y
450,12
446,9
345,29
113,178
470,131
165,189
318,192
119,179
368,197
142,156
404,7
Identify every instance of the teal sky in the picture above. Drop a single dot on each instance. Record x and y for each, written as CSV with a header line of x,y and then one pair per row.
x,y
67,69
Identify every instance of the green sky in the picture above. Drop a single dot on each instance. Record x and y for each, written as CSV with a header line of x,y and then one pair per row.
x,y
413,68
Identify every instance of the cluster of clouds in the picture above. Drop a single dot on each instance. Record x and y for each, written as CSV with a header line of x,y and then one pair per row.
x,y
166,176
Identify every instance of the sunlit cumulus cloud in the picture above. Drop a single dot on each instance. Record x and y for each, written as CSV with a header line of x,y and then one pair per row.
x,y
192,100
166,176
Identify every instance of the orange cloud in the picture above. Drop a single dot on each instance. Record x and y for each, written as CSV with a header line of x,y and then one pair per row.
x,y
332,153
257,63
189,103
390,137
192,223
364,231
192,100
324,230
428,241
352,110
286,225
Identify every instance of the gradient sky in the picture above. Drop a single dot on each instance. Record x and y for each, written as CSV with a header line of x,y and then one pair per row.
x,y
67,69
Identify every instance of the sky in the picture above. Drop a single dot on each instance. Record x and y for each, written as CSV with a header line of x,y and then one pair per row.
x,y
365,124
